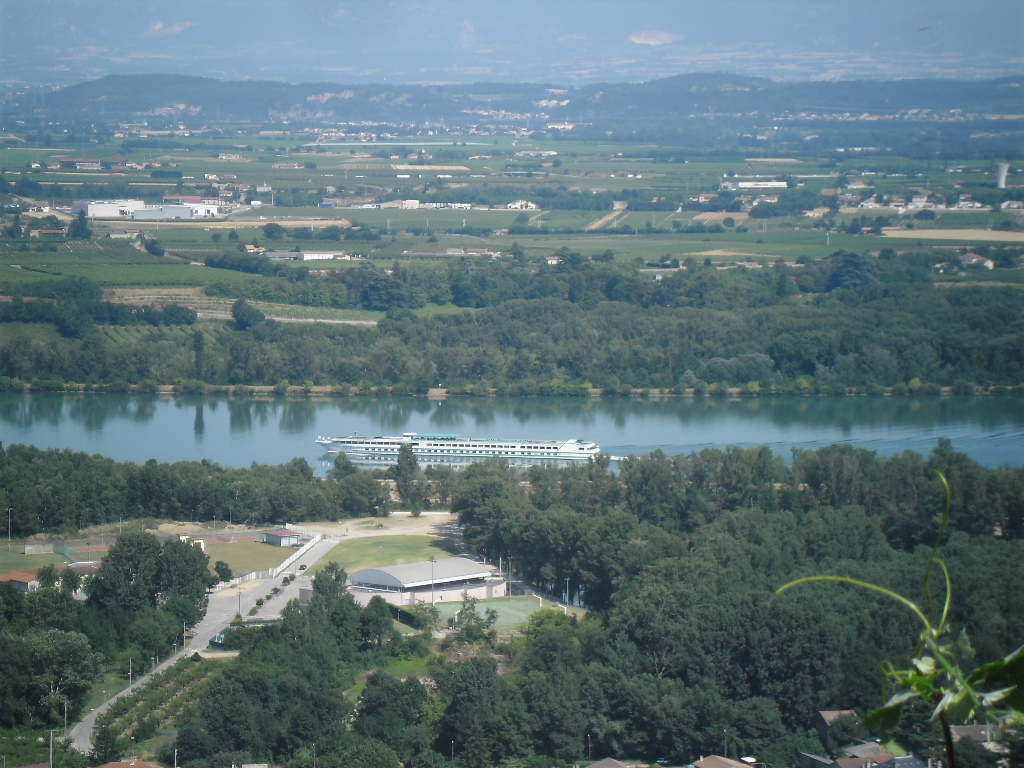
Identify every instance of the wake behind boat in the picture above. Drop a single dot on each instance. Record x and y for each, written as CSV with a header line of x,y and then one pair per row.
x,y
433,448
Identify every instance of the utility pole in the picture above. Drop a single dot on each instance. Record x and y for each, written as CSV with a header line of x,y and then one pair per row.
x,y
432,561
9,509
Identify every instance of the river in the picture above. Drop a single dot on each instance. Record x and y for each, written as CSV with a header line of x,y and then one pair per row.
x,y
237,431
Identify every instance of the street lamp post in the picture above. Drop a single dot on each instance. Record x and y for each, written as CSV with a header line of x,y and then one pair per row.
x,y
432,561
588,748
9,510
566,590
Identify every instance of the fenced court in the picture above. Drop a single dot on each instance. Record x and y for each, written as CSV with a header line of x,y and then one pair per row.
x,y
512,612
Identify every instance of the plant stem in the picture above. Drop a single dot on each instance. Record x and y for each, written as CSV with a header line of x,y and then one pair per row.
x,y
947,736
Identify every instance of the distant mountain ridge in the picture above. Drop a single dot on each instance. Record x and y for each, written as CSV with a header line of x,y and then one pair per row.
x,y
122,96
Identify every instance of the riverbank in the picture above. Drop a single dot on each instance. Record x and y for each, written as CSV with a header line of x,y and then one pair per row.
x,y
799,388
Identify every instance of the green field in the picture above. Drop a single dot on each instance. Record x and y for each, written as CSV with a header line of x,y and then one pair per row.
x,y
377,551
512,612
16,561
478,176
247,556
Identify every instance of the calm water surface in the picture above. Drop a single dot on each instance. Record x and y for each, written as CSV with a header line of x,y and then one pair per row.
x,y
240,431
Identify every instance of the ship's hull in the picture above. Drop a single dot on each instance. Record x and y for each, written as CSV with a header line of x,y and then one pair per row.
x,y
446,449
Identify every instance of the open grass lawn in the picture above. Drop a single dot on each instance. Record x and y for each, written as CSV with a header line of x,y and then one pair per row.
x,y
247,556
377,551
16,561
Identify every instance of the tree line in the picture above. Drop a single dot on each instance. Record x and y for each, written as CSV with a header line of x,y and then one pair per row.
x,y
848,322
75,305
64,492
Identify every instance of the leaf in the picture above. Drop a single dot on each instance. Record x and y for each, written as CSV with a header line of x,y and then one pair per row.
x,y
925,665
887,716
1003,674
994,697
956,703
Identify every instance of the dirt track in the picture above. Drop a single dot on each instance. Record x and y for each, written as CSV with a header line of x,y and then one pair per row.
x,y
969,235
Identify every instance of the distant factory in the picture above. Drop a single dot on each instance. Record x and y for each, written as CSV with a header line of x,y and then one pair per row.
x,y
138,210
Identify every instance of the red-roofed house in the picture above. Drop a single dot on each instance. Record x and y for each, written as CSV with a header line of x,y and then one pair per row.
x,y
23,581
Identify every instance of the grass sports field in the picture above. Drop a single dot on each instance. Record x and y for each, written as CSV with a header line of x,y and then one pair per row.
x,y
512,612
374,552
247,556
16,561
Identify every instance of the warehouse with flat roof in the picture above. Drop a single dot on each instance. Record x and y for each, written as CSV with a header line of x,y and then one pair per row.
x,y
429,581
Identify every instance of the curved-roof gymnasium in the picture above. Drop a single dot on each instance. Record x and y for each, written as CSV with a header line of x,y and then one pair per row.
x,y
412,577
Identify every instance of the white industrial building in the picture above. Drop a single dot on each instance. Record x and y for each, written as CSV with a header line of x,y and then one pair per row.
x,y
176,211
106,209
140,211
448,579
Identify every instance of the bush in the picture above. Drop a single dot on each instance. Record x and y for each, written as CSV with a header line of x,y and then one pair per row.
x,y
964,387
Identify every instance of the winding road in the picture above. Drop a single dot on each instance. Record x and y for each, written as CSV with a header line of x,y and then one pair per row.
x,y
223,605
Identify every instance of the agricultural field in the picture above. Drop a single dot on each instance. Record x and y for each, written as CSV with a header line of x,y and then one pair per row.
x,y
159,703
478,171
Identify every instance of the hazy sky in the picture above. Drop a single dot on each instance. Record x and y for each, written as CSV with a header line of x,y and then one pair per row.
x,y
552,41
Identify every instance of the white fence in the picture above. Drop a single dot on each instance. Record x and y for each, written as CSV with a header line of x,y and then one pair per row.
x,y
304,531
274,572
298,553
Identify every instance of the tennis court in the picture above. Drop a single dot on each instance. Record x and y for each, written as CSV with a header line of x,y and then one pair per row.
x,y
512,612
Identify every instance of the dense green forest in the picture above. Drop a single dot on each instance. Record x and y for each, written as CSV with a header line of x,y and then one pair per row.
x,y
828,326
676,558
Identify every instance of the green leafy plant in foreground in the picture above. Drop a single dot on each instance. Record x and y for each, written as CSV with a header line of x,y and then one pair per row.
x,y
937,674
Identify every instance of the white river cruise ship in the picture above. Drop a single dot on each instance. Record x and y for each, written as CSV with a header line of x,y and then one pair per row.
x,y
452,448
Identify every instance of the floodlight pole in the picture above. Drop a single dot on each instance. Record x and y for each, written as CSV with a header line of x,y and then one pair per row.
x,y
9,528
432,561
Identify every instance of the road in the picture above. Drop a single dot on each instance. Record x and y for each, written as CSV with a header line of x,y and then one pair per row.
x,y
217,315
223,605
